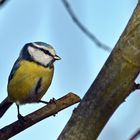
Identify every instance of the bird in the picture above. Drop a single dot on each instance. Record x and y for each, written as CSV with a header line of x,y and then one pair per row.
x,y
30,77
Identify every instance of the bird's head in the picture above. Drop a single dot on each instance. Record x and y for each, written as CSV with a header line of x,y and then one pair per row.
x,y
39,52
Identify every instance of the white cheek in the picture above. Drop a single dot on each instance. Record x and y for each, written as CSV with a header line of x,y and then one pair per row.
x,y
39,56
31,50
43,58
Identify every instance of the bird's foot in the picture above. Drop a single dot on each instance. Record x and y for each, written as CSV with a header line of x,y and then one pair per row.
x,y
21,119
53,100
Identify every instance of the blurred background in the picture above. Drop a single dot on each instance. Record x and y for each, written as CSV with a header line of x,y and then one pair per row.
x,y
48,21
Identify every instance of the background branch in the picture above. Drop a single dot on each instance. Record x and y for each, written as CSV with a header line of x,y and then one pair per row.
x,y
46,111
83,28
2,2
136,135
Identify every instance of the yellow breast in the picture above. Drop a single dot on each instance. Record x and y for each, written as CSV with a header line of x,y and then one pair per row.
x,y
22,87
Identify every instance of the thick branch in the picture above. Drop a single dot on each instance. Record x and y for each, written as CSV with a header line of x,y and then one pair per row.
x,y
31,119
112,85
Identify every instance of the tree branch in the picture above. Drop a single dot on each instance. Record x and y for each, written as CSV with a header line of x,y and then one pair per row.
x,y
112,85
136,86
83,28
136,135
2,2
44,112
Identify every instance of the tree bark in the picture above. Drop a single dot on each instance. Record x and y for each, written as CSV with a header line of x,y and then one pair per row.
x,y
112,85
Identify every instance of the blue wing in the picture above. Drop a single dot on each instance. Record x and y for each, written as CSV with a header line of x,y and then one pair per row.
x,y
14,69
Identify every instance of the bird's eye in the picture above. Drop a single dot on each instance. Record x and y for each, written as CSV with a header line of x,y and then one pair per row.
x,y
46,52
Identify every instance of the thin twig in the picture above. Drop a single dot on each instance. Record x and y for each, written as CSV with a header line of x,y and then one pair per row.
x,y
136,86
136,135
83,28
2,2
44,112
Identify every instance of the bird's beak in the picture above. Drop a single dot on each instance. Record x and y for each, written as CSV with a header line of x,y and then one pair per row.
x,y
56,57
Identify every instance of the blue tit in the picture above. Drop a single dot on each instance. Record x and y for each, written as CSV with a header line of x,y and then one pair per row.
x,y
30,76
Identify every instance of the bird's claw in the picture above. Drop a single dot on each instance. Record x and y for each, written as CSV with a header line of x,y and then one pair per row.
x,y
21,119
53,100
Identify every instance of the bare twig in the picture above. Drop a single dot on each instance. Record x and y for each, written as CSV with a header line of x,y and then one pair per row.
x,y
31,119
136,135
83,28
2,2
136,86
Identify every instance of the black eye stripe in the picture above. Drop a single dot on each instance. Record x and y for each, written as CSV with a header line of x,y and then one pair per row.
x,y
45,51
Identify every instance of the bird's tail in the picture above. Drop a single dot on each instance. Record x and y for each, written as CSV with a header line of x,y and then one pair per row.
x,y
4,105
